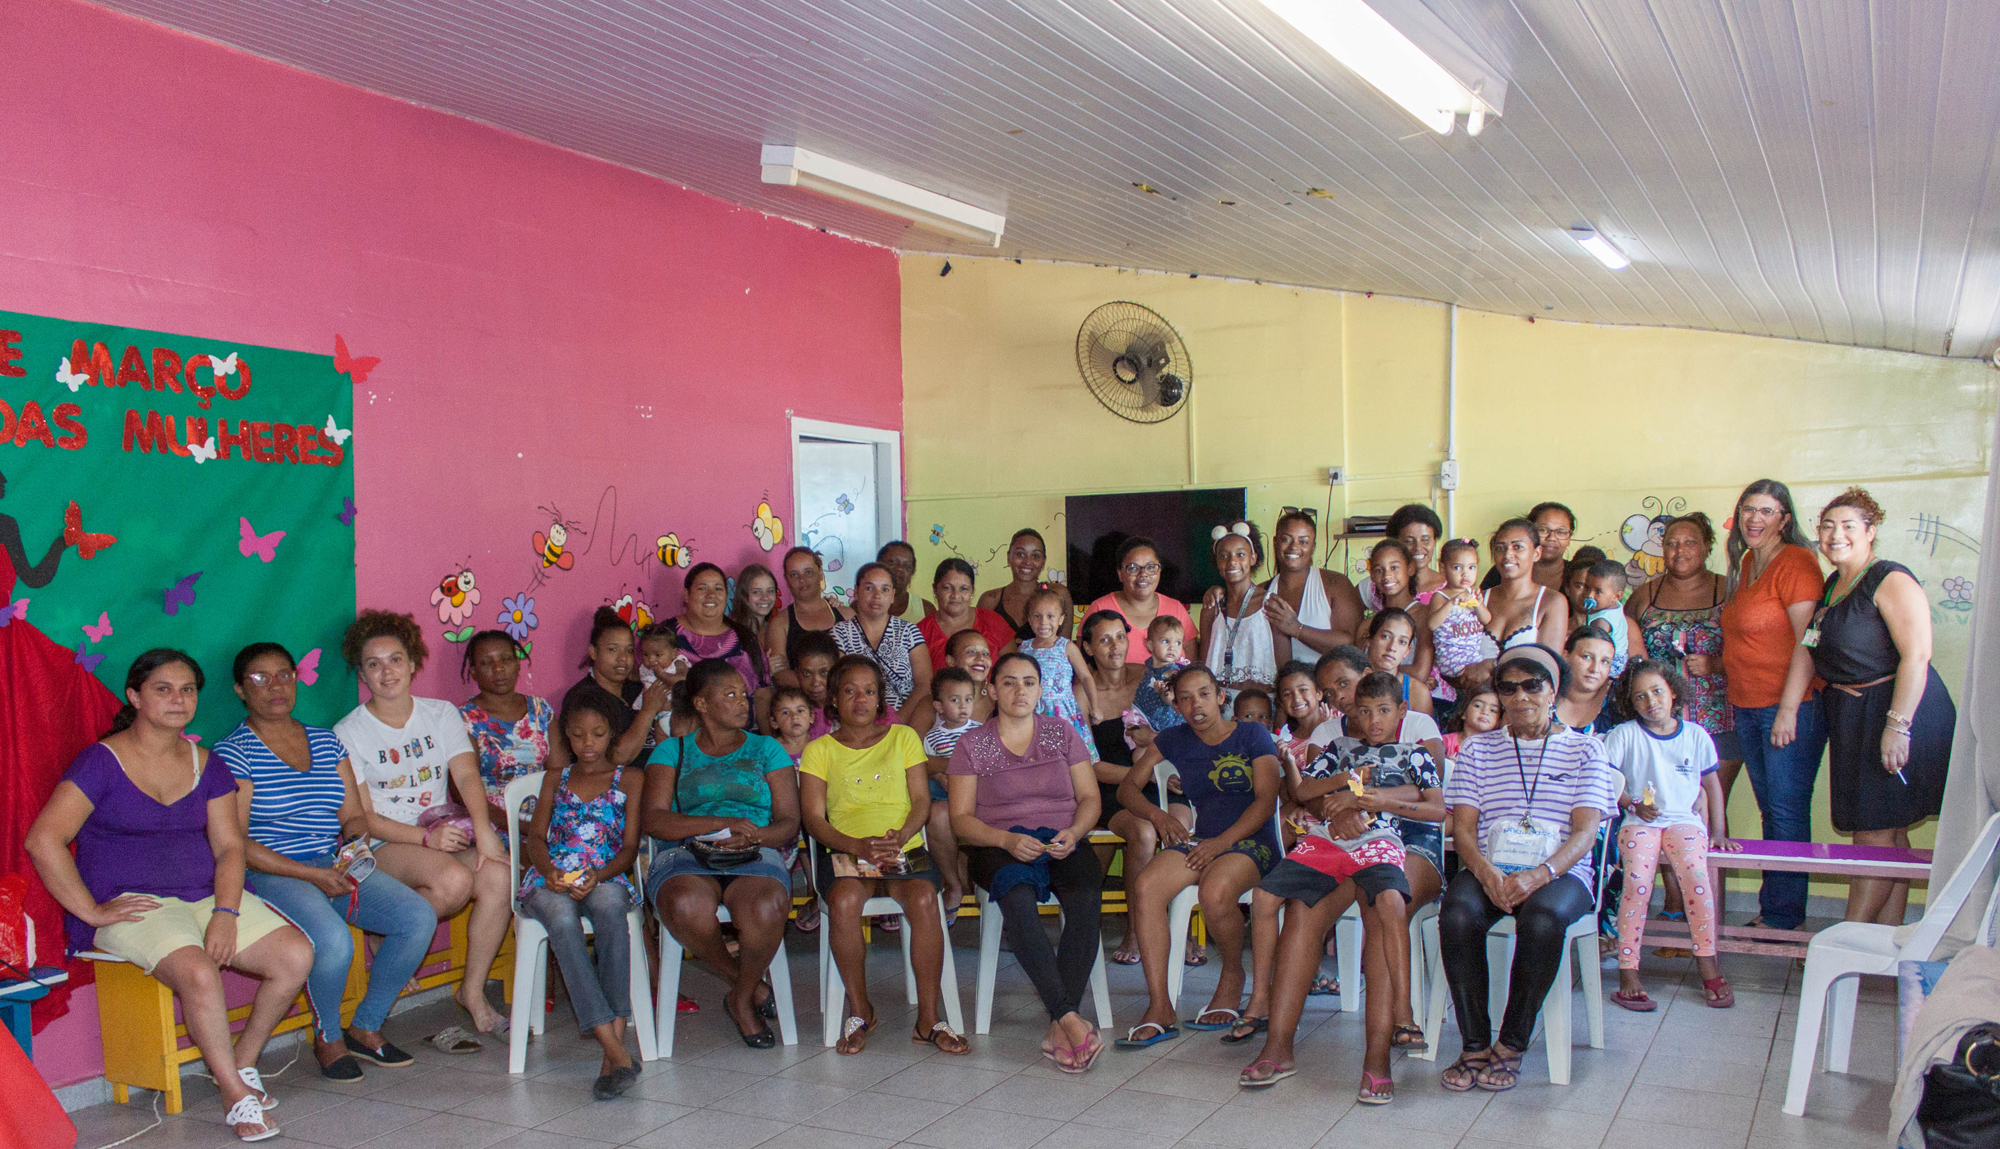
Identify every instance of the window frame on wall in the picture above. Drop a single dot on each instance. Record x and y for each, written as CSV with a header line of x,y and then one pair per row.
x,y
888,447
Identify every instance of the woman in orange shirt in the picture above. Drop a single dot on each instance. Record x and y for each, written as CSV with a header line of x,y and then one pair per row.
x,y
1774,584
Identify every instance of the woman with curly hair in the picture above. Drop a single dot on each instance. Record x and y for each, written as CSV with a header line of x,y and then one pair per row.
x,y
1889,718
406,752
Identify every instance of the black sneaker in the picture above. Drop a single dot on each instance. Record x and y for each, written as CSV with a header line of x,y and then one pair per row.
x,y
385,1055
344,1070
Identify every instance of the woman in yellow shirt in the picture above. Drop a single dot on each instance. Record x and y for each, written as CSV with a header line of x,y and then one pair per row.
x,y
864,794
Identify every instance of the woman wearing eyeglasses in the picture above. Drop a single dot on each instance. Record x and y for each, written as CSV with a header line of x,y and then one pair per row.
x,y
1525,803
1774,585
1138,599
297,797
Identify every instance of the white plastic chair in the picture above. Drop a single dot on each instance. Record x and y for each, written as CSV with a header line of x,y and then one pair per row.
x,y
667,997
1579,939
1839,954
531,951
989,967
833,990
1181,909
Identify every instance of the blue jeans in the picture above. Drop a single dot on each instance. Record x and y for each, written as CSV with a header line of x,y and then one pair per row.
x,y
388,907
1782,778
603,992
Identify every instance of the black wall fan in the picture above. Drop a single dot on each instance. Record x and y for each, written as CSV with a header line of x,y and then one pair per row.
x,y
1134,362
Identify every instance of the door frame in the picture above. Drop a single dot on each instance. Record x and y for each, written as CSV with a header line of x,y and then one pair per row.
x,y
888,468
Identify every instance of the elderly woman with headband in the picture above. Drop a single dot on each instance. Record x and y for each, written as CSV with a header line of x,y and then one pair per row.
x,y
1889,718
1525,804
1235,635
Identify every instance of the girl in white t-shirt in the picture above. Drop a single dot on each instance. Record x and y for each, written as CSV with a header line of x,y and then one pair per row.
x,y
406,752
1673,806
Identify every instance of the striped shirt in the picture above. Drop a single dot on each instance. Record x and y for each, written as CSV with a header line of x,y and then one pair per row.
x,y
294,813
1561,773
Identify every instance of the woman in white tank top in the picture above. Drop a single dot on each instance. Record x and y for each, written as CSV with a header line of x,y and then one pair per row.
x,y
1235,636
1315,609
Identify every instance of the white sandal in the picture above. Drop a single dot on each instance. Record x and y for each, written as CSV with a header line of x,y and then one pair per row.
x,y
248,1112
255,1081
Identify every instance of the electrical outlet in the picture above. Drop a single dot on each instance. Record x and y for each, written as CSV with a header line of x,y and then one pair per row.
x,y
1448,475
1335,476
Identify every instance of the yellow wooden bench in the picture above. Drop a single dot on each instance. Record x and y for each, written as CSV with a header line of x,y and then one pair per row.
x,y
145,1047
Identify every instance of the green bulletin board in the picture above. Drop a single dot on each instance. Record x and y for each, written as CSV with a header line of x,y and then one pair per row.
x,y
170,490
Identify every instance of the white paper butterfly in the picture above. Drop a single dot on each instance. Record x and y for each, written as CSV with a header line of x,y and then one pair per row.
x,y
223,366
202,452
65,375
334,432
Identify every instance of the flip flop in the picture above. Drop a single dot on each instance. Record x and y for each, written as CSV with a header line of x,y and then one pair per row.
x,y
1257,1025
1408,1037
1375,1090
1089,1051
1720,996
1235,1015
1244,1080
1196,955
1124,957
1636,1002
454,1039
1323,986
853,1025
1131,1040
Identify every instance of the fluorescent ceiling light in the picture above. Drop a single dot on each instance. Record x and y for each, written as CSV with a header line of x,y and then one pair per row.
x,y
1600,248
841,180
1436,82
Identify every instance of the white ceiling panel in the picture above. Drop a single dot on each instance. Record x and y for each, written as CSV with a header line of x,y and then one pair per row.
x,y
1819,169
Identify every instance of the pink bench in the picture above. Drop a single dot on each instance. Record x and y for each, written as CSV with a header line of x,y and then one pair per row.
x,y
1799,857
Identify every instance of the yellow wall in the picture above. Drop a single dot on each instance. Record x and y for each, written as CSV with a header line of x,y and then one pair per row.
x,y
998,427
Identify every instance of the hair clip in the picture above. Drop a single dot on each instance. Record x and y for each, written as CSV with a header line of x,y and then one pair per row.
x,y
1240,530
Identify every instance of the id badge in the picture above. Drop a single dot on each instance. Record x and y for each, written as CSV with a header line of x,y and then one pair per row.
x,y
1811,638
1515,844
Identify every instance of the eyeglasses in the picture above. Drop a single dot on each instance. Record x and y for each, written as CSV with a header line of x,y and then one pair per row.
x,y
1142,568
1557,532
1510,687
1747,511
282,678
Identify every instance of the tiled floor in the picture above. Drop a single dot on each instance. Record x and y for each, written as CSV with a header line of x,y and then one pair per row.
x,y
1686,1076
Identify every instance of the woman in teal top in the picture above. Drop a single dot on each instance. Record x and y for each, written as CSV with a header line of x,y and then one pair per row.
x,y
722,778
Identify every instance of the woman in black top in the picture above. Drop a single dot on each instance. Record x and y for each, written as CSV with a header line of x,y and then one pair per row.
x,y
1889,717
811,609
1116,680
613,663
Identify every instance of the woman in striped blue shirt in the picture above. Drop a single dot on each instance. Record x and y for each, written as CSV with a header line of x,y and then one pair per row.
x,y
296,790
1525,803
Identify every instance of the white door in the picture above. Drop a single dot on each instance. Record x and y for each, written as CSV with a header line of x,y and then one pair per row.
x,y
848,494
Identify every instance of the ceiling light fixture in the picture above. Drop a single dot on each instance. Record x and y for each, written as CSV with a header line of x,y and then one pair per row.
x,y
1600,248
1409,56
800,168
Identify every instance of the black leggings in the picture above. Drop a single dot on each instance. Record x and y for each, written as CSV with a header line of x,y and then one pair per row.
x,y
1061,973
1539,924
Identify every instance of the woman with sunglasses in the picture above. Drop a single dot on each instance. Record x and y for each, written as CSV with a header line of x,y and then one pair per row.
x,y
1138,599
1525,804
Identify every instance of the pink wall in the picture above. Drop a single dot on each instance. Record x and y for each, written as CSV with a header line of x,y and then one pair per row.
x,y
550,327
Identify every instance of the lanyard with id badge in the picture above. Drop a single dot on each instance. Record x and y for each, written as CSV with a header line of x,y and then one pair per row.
x,y
1810,639
1515,844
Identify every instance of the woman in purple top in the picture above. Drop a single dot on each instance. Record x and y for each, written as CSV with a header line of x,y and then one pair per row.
x,y
1023,799
158,877
1525,802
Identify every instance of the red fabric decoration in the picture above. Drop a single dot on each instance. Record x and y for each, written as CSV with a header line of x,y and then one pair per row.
x,y
50,710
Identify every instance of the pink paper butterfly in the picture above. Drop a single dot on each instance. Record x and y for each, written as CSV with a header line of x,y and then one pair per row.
x,y
263,546
308,667
102,630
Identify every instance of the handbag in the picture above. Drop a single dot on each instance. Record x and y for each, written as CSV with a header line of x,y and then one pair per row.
x,y
1961,1105
711,855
